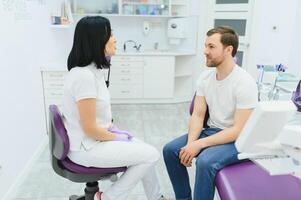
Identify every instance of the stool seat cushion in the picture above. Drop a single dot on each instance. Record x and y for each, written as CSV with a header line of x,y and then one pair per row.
x,y
71,166
248,181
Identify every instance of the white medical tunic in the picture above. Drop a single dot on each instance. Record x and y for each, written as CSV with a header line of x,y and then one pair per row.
x,y
83,83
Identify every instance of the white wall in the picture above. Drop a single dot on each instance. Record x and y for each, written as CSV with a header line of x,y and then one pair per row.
x,y
270,46
27,43
200,8
294,59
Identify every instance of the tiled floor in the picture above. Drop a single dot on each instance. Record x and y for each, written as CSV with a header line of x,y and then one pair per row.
x,y
155,124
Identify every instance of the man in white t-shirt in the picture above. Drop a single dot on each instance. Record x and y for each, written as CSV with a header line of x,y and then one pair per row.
x,y
229,93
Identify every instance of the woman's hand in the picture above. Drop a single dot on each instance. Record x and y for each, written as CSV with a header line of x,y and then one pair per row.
x,y
122,137
116,130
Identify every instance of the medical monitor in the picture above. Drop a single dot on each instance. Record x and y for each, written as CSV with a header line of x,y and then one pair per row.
x,y
264,125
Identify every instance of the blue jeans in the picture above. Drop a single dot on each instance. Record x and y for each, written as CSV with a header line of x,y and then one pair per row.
x,y
208,162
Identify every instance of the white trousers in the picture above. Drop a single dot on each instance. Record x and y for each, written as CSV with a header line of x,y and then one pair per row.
x,y
139,157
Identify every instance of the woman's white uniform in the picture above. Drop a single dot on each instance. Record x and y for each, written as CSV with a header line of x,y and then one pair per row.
x,y
139,157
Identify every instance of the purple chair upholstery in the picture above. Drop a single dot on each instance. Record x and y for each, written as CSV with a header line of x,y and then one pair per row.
x,y
247,181
63,166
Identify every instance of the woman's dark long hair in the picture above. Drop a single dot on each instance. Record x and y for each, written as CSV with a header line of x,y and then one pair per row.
x,y
90,37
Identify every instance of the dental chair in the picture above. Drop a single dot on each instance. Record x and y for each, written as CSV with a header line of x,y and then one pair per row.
x,y
64,167
247,181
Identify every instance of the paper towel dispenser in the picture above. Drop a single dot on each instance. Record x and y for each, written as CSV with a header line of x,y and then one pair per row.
x,y
177,28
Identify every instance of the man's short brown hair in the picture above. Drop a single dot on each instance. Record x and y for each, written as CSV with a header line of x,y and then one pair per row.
x,y
228,37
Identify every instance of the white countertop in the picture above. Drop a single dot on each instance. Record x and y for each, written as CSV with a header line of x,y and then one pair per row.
x,y
154,53
59,66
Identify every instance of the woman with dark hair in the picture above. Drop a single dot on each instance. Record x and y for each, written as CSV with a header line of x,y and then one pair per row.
x,y
94,141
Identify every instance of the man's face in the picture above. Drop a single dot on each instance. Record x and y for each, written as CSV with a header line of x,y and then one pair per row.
x,y
214,50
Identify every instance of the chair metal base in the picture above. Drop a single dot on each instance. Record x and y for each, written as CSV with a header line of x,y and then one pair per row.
x,y
90,190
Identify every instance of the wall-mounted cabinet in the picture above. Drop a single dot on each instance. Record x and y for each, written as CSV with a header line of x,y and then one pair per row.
x,y
238,15
155,8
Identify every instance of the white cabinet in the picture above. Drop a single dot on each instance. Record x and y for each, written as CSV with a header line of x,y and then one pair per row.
x,y
134,79
142,77
159,76
127,77
53,82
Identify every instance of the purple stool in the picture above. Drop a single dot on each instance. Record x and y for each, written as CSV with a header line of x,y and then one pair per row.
x,y
59,148
247,181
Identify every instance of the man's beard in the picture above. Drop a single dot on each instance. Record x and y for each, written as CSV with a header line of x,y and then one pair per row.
x,y
213,63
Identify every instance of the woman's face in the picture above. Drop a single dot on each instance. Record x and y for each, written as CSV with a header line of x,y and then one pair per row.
x,y
110,48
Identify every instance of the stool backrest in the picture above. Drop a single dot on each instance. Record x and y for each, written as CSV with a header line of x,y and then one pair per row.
x,y
58,138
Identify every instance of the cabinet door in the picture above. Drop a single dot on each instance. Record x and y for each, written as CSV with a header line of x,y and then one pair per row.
x,y
159,76
240,22
53,83
232,5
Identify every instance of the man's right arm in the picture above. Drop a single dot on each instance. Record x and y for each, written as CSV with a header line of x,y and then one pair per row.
x,y
189,151
197,118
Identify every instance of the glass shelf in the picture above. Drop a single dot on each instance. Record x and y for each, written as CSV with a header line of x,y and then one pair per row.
x,y
136,8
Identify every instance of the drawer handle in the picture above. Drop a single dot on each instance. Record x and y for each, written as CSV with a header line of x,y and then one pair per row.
x,y
125,79
124,58
125,91
56,94
125,65
57,84
56,75
125,71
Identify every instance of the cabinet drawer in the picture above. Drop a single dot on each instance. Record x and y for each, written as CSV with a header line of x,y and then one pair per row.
x,y
53,75
126,59
126,71
127,65
126,92
49,84
127,79
53,93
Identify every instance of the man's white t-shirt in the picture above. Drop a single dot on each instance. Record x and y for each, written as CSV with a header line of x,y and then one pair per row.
x,y
83,83
237,91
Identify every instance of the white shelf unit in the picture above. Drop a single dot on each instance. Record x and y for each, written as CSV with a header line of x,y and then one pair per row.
x,y
158,8
183,66
182,88
183,80
179,8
